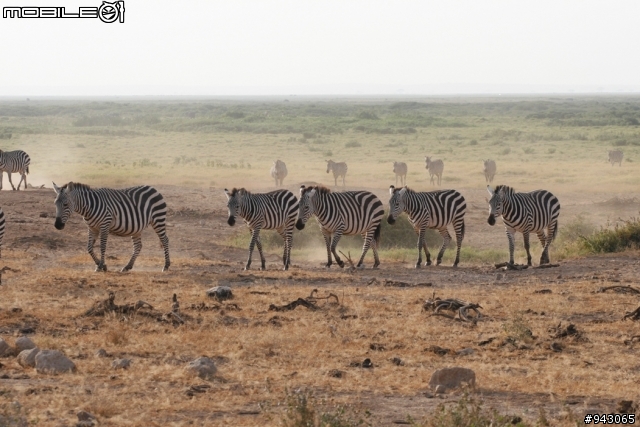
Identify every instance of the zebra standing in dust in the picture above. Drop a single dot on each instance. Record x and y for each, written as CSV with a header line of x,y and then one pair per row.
x,y
276,210
123,212
400,169
279,172
435,168
2,223
614,157
343,213
339,170
12,162
436,210
489,170
527,213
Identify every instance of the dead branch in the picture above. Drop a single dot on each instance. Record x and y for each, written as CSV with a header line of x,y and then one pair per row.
x,y
456,306
633,315
547,266
101,308
312,297
293,305
398,284
632,340
568,331
619,289
352,267
515,267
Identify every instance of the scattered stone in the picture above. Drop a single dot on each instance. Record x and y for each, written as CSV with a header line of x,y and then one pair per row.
x,y
487,341
452,378
377,346
5,349
101,353
438,350
397,361
626,407
27,358
337,373
24,343
121,364
220,293
202,367
53,362
557,347
465,352
85,416
367,363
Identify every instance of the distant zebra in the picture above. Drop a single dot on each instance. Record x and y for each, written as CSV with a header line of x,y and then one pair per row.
x,y
400,169
614,157
489,170
435,210
532,212
12,162
124,212
2,223
435,167
279,172
276,210
343,213
339,170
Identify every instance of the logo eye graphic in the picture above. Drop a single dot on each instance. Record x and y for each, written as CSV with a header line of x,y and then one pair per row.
x,y
108,12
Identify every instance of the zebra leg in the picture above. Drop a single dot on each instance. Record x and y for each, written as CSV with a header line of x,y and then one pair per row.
x,y
525,234
9,175
104,233
327,240
543,243
286,256
252,243
23,176
459,229
262,260
334,243
544,258
510,236
421,244
446,239
374,248
137,247
368,239
93,235
159,228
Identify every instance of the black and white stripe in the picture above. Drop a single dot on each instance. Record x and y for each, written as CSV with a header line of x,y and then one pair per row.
x,y
534,212
2,224
279,172
276,210
107,211
489,170
436,210
343,213
339,170
400,169
14,162
435,168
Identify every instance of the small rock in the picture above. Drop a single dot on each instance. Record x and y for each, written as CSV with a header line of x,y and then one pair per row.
x,y
53,362
626,407
220,293
336,373
24,343
452,378
5,349
121,363
465,352
397,361
101,353
557,347
27,358
85,416
202,367
367,363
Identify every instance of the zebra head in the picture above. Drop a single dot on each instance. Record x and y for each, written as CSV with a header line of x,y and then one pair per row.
x,y
305,209
427,162
234,199
64,205
495,204
330,164
396,203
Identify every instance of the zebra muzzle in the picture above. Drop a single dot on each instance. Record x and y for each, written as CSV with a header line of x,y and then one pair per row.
x,y
299,224
391,220
491,220
59,224
231,221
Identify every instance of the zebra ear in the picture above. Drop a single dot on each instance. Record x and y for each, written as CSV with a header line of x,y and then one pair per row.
x,y
226,193
55,188
302,187
491,192
392,190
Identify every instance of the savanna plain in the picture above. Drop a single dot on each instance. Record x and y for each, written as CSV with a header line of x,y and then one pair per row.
x,y
552,344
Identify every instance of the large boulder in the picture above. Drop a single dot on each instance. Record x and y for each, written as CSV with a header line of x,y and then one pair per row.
x,y
24,343
5,349
53,362
202,367
27,358
449,378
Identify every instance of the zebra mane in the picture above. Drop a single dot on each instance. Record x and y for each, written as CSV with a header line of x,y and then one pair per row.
x,y
70,186
503,188
319,188
242,191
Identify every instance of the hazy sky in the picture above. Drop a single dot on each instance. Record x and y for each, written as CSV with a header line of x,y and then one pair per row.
x,y
325,47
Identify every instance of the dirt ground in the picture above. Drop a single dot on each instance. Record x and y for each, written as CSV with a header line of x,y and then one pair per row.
x,y
259,361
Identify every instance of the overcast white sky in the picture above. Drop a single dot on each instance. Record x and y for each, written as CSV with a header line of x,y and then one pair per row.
x,y
325,47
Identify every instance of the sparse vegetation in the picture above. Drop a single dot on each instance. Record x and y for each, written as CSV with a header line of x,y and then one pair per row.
x,y
622,236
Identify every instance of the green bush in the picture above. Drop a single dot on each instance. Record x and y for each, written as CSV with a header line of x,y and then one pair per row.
x,y
623,236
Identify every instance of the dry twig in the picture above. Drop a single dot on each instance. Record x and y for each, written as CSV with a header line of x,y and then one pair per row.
x,y
619,289
293,305
454,305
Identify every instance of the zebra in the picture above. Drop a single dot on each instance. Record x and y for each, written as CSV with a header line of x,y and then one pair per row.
x,y
124,212
614,157
2,223
279,172
532,212
12,162
276,210
343,213
400,169
435,210
339,170
489,170
435,167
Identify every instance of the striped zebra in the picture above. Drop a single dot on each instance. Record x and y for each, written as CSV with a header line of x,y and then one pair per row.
x,y
2,223
435,168
489,170
339,170
435,210
279,172
276,210
124,212
532,212
12,162
614,157
343,213
400,169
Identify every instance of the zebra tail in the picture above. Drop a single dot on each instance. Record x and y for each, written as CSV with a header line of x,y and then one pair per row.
x,y
376,234
27,169
555,232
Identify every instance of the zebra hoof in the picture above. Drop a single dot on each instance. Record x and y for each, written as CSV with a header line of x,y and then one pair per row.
x,y
427,263
419,265
126,268
101,268
341,264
